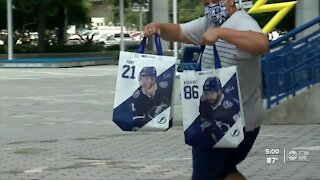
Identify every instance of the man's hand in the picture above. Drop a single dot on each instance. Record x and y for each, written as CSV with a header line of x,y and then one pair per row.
x,y
210,37
151,29
208,129
167,31
212,129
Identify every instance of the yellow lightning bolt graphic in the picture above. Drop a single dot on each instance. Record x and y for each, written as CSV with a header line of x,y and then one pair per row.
x,y
283,8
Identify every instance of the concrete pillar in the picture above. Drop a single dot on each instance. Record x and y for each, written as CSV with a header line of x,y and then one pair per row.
x,y
307,10
160,10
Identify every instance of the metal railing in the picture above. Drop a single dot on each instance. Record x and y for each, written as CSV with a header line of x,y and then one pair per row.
x,y
293,66
293,32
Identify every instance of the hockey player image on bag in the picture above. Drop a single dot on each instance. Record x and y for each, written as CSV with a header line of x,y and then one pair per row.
x,y
151,98
214,105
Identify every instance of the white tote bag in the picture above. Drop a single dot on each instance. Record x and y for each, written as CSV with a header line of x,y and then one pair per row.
x,y
144,90
211,106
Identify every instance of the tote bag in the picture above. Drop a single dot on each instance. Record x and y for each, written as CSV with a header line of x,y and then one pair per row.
x,y
211,106
144,90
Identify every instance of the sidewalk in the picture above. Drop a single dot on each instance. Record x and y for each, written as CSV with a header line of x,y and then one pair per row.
x,y
56,124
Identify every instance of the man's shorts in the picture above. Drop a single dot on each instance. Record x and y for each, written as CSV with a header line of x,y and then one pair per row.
x,y
216,163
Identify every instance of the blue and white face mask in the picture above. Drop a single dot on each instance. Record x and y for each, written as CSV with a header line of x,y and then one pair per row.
x,y
217,13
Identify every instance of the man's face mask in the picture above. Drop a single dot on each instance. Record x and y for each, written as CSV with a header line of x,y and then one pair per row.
x,y
217,13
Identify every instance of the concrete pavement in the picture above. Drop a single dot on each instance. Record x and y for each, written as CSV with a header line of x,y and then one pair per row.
x,y
56,124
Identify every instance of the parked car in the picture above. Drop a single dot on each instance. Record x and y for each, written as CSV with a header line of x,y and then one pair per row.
x,y
108,40
137,36
74,39
128,40
81,31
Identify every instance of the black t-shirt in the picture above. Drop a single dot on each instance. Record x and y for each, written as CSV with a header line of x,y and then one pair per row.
x,y
227,111
146,107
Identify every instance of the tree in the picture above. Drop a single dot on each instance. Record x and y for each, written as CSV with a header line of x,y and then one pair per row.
x,y
42,15
41,22
116,11
64,12
189,10
3,14
27,14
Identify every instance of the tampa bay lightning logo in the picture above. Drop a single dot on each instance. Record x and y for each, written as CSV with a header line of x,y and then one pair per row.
x,y
162,120
136,94
163,84
227,104
235,133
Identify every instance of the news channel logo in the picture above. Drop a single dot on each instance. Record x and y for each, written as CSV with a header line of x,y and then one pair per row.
x,y
297,155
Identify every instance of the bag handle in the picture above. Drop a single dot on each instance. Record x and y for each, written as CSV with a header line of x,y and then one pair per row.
x,y
217,61
157,42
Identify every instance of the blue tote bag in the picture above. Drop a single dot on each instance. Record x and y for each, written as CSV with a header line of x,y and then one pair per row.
x,y
144,90
211,106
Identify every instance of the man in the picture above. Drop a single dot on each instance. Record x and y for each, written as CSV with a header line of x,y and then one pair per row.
x,y
239,41
215,103
150,99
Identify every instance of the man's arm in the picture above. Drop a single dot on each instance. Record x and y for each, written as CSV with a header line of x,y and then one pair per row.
x,y
249,41
168,31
